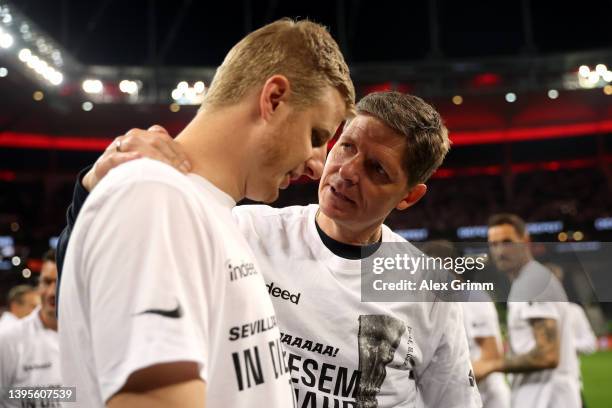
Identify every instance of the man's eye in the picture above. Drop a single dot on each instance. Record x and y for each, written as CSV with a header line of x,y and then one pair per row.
x,y
379,169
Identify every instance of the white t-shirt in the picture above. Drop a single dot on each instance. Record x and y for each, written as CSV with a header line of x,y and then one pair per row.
x,y
480,320
344,352
29,357
7,318
156,271
558,387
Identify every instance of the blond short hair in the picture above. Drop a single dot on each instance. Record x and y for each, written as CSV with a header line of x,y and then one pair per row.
x,y
421,125
302,51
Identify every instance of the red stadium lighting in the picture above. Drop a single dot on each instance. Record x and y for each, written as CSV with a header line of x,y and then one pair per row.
x,y
486,79
385,86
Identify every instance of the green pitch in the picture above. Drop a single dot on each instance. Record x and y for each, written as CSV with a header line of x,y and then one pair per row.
x,y
597,378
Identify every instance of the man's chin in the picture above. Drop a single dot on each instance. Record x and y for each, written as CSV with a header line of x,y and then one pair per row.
x,y
334,212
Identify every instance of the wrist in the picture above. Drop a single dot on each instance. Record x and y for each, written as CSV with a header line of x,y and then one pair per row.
x,y
498,364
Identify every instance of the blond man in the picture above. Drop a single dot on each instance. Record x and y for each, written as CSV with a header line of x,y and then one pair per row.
x,y
162,301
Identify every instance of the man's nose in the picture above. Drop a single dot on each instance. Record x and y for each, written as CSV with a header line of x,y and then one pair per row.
x,y
349,170
313,167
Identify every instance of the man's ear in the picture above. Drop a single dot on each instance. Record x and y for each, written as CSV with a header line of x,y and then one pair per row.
x,y
414,195
275,91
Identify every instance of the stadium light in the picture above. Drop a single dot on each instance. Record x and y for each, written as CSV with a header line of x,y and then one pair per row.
x,y
40,66
510,97
583,71
128,87
93,86
457,99
199,87
183,94
593,78
601,69
16,261
6,40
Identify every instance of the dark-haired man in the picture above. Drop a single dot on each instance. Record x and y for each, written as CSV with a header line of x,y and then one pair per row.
x,y
543,361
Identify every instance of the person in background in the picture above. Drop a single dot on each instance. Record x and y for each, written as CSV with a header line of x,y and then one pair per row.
x,y
29,349
21,301
543,358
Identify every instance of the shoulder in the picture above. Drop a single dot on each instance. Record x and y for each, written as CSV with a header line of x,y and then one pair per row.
x,y
143,172
537,283
143,185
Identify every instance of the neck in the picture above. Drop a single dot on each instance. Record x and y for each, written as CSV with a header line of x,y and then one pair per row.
x,y
48,320
217,147
514,273
346,235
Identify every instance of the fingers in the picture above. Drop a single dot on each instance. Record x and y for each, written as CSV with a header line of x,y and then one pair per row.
x,y
110,161
104,164
171,153
156,144
158,129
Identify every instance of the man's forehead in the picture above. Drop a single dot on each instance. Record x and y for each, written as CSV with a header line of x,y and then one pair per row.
x,y
372,129
332,109
48,270
503,231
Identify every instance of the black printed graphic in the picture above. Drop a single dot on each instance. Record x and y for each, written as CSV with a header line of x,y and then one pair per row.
x,y
379,338
471,378
175,313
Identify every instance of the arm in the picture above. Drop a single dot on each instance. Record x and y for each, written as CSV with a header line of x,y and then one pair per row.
x,y
141,255
488,351
543,356
162,385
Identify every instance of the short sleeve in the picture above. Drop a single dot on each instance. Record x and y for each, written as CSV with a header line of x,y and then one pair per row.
x,y
539,310
448,381
483,320
147,255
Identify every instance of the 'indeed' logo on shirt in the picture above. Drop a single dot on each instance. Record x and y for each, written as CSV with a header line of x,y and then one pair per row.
x,y
283,294
239,271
